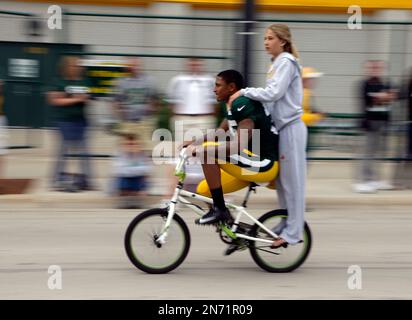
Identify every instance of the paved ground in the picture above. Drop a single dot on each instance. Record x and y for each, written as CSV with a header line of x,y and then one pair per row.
x,y
88,246
83,234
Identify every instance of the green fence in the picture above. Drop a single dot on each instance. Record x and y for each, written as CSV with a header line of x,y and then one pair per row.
x,y
24,95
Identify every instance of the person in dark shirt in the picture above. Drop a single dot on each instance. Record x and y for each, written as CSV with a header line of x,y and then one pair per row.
x,y
403,169
377,96
69,100
250,128
409,99
3,131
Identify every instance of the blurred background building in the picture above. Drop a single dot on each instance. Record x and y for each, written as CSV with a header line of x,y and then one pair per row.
x,y
211,29
165,33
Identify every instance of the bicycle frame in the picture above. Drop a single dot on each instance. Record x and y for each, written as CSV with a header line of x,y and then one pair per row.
x,y
181,196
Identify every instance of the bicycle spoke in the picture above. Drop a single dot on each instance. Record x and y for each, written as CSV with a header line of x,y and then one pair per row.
x,y
145,250
260,248
278,259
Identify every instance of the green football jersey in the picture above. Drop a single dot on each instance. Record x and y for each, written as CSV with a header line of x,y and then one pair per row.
x,y
245,108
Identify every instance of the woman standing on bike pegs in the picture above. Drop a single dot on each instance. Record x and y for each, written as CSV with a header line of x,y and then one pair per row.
x,y
282,98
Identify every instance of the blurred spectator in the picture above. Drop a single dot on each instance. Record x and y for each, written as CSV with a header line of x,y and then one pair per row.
x,y
403,169
193,100
309,78
135,100
131,168
194,107
409,99
310,115
377,97
3,131
69,100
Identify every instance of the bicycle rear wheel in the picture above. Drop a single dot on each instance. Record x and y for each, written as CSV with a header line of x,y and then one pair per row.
x,y
148,255
281,259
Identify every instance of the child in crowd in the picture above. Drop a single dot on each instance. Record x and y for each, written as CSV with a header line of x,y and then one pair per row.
x,y
131,169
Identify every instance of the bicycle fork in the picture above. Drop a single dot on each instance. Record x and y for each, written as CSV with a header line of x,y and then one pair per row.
x,y
170,213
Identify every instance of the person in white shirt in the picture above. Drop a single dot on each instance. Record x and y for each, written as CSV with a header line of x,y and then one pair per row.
x,y
282,98
194,111
192,99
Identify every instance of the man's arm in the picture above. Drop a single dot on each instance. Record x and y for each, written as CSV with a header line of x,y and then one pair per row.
x,y
242,137
276,88
223,126
59,99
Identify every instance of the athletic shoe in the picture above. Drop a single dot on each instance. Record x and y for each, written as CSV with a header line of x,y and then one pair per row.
x,y
382,185
364,188
214,215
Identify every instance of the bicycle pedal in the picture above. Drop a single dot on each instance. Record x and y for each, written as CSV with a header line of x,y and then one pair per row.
x,y
235,247
200,224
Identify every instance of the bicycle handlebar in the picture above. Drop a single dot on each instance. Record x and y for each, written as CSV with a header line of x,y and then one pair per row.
x,y
180,167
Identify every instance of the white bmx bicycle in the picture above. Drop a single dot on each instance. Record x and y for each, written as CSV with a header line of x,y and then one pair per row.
x,y
158,240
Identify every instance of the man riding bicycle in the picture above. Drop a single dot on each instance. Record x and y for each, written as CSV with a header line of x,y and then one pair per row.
x,y
231,166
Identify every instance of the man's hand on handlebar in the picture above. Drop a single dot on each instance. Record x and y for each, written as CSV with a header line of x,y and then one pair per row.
x,y
194,150
185,144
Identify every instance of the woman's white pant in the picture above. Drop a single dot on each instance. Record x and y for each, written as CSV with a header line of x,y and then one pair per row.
x,y
291,182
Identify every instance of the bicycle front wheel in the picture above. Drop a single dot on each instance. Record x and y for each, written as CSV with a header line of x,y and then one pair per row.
x,y
280,259
148,255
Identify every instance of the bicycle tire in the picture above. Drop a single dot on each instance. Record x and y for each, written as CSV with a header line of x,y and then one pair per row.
x,y
270,267
137,260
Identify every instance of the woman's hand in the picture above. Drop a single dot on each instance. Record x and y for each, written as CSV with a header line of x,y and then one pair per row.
x,y
194,150
185,144
232,98
191,150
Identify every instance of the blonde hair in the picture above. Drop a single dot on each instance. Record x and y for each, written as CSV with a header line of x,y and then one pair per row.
x,y
283,33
